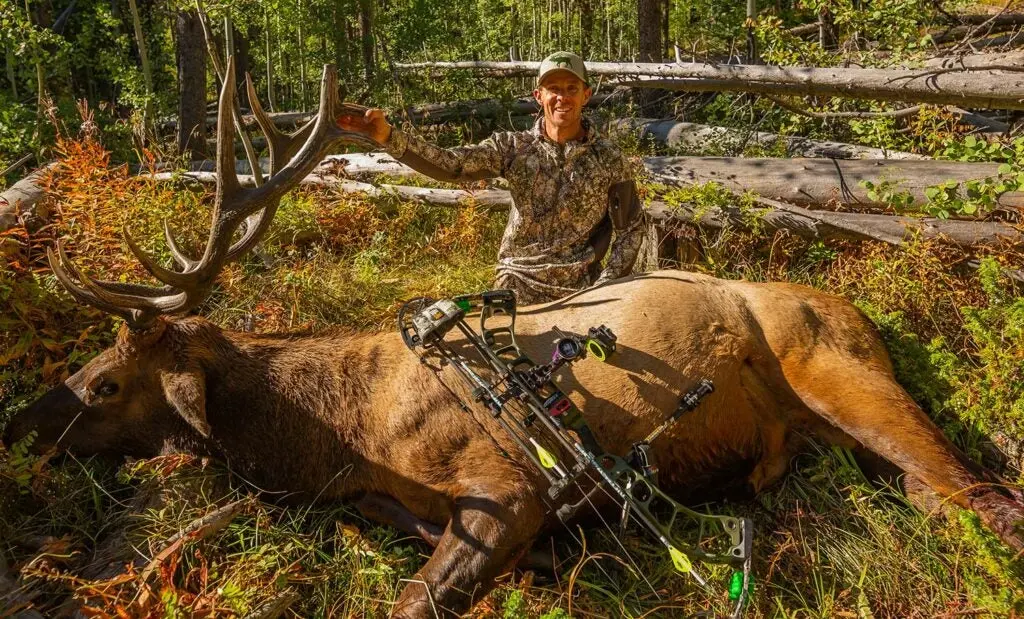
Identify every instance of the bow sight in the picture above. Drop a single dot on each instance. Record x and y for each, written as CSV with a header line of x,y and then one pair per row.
x,y
522,397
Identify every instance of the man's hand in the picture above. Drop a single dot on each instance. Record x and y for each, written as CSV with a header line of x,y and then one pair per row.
x,y
372,124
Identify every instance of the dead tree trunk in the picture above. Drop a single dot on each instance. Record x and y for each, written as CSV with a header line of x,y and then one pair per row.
x,y
191,60
821,181
974,88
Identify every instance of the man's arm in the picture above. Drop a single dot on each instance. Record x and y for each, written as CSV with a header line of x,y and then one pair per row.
x,y
455,165
629,224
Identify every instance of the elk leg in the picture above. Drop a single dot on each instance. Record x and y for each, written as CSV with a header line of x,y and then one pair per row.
x,y
388,511
871,407
488,532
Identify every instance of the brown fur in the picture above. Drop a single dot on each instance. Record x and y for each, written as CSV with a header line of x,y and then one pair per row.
x,y
352,415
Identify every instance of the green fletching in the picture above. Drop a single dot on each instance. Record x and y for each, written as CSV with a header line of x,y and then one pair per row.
x,y
679,560
547,460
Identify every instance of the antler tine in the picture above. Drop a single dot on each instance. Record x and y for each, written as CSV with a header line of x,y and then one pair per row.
x,y
323,134
227,179
143,304
167,276
138,305
281,145
179,256
79,293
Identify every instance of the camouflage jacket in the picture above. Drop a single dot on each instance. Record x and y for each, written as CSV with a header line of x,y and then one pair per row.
x,y
567,199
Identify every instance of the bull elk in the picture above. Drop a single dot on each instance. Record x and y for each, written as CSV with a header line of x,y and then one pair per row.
x,y
357,416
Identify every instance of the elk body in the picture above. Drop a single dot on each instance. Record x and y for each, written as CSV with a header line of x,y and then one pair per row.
x,y
357,416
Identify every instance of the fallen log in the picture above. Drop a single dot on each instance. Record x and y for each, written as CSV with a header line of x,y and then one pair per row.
x,y
976,88
803,222
674,133
810,182
18,202
821,181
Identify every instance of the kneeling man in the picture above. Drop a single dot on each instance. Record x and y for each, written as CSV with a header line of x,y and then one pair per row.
x,y
571,188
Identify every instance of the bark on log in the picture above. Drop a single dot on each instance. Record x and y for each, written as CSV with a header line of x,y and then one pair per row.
x,y
18,202
673,133
981,89
820,181
803,222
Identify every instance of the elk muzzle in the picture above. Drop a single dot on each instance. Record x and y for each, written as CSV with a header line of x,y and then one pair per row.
x,y
52,417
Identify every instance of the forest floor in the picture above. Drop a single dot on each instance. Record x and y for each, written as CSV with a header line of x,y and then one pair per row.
x,y
829,542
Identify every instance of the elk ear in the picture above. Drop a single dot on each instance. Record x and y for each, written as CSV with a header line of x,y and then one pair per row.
x,y
186,392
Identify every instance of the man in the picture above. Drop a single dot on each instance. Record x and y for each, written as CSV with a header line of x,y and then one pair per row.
x,y
570,188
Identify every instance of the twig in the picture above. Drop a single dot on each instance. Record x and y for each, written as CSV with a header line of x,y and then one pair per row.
x,y
971,32
274,607
200,528
18,164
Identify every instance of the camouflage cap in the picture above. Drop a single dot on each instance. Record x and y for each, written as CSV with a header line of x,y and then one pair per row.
x,y
562,61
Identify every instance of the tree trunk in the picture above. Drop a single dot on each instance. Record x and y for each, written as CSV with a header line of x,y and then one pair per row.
x,y
366,25
271,106
340,33
302,61
649,30
828,37
586,27
821,181
242,60
9,58
191,61
752,56
975,88
665,23
147,72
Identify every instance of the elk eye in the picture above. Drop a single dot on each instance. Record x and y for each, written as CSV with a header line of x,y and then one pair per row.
x,y
107,389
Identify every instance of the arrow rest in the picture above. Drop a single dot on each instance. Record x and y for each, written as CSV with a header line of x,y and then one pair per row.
x,y
552,433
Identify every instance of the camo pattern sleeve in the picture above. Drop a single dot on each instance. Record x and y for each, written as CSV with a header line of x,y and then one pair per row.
x,y
630,227
487,159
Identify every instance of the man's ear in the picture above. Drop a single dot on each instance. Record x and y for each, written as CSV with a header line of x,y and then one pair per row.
x,y
186,392
536,96
589,92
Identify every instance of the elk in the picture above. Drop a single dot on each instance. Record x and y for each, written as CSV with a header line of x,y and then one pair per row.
x,y
359,417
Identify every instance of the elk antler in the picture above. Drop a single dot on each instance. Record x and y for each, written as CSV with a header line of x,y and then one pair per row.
x,y
234,205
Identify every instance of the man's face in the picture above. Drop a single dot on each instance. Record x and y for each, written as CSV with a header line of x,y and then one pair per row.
x,y
562,96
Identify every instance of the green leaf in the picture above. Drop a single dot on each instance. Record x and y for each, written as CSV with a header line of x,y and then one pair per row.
x,y
931,193
1005,168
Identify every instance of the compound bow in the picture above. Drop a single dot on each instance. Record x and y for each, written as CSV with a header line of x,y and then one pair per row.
x,y
543,422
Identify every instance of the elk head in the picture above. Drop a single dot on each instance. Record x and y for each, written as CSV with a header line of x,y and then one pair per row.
x,y
148,391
